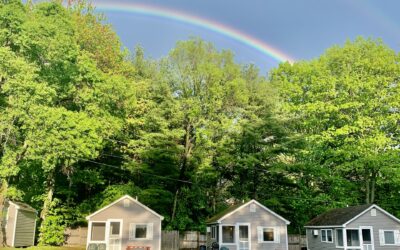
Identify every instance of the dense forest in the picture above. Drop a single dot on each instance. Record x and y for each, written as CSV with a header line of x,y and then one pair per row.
x,y
84,121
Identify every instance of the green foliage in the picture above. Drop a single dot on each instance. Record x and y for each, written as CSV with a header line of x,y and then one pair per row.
x,y
53,226
345,103
83,123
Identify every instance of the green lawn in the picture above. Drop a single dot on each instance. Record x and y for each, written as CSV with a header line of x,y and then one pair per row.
x,y
48,248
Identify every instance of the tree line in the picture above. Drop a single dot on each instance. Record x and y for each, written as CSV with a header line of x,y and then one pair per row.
x,y
84,121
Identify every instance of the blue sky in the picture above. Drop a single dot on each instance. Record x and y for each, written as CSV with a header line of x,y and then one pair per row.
x,y
302,29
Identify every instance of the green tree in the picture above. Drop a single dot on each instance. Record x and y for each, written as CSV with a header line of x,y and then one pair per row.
x,y
346,105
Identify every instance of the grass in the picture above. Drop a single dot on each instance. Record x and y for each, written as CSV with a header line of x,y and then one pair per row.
x,y
47,248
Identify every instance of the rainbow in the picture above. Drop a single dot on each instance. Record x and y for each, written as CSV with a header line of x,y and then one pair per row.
x,y
151,10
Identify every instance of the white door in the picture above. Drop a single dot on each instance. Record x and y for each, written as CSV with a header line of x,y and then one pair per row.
x,y
244,237
114,234
367,238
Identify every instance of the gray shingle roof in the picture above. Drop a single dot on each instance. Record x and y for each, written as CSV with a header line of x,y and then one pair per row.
x,y
24,206
221,214
338,216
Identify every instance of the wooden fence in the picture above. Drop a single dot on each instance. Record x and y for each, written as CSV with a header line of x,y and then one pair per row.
x,y
76,236
173,240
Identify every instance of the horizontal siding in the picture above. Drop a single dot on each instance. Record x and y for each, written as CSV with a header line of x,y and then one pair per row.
x,y
259,218
380,221
134,213
25,229
315,243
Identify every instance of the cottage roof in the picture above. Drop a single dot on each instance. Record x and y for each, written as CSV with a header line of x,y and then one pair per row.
x,y
232,209
343,216
122,198
23,206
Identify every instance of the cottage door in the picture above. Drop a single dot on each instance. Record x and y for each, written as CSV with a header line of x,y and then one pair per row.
x,y
114,234
244,237
367,238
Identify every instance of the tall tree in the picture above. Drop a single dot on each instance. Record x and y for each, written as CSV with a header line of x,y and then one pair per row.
x,y
346,104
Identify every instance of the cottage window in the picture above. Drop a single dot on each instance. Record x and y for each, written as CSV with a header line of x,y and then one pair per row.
x,y
228,234
326,235
389,237
140,231
214,232
353,237
268,235
114,228
98,231
339,237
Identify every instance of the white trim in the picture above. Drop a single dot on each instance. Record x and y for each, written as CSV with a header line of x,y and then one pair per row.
x,y
395,232
22,208
371,229
234,235
326,235
367,209
15,224
336,237
327,226
237,236
108,227
287,239
132,231
159,236
256,202
275,233
88,239
306,239
359,238
34,232
120,199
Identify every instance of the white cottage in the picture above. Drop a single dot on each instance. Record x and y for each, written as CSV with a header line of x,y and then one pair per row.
x,y
124,224
364,227
247,226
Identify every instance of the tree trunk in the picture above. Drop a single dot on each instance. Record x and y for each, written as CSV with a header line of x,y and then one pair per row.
x,y
185,158
50,183
3,193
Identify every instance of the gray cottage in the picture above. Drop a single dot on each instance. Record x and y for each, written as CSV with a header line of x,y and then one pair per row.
x,y
365,227
248,226
18,224
124,224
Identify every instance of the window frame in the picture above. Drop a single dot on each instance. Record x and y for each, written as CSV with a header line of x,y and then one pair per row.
x,y
326,235
275,233
337,237
359,237
90,232
132,231
214,230
222,235
394,237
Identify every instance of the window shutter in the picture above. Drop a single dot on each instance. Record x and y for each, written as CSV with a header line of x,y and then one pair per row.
x,y
131,231
397,237
277,235
381,238
150,231
260,234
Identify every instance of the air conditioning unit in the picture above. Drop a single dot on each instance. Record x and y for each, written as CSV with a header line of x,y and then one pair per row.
x,y
315,232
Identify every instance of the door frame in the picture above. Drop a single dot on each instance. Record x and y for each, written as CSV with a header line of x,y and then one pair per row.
x,y
108,227
238,234
371,229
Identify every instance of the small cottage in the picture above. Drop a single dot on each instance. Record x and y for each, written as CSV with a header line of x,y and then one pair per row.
x,y
124,224
248,226
18,224
366,227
